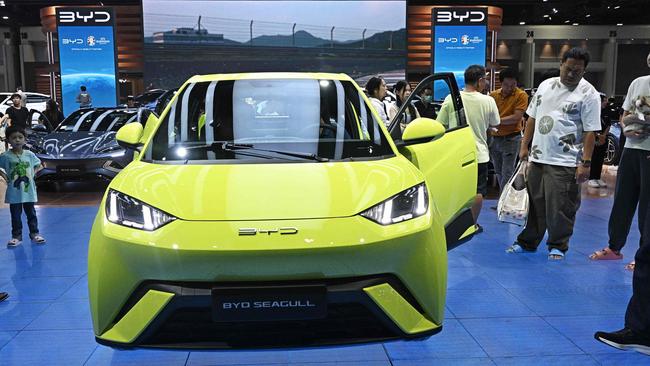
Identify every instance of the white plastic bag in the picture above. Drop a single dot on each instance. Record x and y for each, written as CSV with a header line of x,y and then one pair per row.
x,y
513,203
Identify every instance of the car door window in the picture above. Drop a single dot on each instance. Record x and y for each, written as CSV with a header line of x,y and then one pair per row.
x,y
432,98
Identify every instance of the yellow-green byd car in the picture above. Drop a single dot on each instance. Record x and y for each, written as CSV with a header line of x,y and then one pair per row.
x,y
276,209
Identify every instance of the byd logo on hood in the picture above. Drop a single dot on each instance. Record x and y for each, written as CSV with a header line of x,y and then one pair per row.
x,y
460,16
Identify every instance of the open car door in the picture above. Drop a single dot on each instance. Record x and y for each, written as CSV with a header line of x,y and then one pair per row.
x,y
449,163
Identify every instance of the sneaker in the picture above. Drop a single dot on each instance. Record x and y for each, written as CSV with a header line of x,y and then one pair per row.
x,y
37,238
602,183
3,296
593,183
14,242
625,339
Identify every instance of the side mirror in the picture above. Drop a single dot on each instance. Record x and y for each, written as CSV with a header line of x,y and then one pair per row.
x,y
40,128
129,136
422,130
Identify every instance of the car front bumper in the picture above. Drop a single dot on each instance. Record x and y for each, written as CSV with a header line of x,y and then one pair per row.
x,y
78,169
158,288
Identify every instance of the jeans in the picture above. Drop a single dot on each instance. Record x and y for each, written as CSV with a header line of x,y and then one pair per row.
x,y
16,219
503,155
632,189
554,199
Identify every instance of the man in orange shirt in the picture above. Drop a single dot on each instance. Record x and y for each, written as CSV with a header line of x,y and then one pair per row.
x,y
512,102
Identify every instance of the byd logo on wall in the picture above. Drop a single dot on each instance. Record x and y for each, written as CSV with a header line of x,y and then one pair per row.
x,y
84,16
460,16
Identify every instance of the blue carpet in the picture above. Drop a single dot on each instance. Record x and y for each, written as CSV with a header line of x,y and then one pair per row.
x,y
501,309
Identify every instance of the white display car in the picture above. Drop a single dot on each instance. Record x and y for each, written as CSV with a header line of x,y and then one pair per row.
x,y
34,101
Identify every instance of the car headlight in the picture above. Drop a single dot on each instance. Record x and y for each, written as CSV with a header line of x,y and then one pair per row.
x,y
405,205
127,211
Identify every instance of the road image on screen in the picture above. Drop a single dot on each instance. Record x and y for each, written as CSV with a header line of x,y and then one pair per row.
x,y
359,38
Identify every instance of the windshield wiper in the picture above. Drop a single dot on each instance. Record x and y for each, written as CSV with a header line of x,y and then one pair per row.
x,y
230,146
243,148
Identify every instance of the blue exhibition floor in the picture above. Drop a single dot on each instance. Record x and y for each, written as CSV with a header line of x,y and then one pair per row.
x,y
502,309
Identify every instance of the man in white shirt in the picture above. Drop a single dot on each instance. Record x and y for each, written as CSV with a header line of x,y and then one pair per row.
x,y
563,116
482,114
632,180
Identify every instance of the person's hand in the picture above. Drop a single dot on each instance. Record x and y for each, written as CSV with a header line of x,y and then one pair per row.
x,y
582,174
633,134
523,152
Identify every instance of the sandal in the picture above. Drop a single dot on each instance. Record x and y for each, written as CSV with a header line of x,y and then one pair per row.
x,y
630,266
605,254
555,255
38,239
14,242
478,228
517,248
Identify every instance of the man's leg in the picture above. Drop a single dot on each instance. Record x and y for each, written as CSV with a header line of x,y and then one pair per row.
x,y
535,228
644,195
16,210
495,158
562,204
636,334
510,150
626,197
481,190
597,160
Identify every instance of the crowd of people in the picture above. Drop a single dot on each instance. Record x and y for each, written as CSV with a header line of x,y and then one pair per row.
x,y
563,143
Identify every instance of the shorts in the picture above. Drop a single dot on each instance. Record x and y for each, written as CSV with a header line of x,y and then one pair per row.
x,y
482,182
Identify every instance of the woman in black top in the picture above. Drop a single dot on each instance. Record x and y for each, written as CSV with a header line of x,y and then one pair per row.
x,y
53,114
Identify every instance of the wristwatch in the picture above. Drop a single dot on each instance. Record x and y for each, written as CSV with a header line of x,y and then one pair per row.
x,y
586,163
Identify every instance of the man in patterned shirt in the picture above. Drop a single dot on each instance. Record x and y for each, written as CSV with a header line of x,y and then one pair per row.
x,y
563,116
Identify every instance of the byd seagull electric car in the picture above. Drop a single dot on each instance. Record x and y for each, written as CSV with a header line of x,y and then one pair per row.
x,y
276,209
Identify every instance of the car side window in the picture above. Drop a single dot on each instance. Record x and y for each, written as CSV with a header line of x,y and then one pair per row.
x,y
432,99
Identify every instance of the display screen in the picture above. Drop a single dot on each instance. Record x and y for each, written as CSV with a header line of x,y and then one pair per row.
x,y
359,38
459,40
87,58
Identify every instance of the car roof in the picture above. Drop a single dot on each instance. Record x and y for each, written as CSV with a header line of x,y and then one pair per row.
x,y
270,75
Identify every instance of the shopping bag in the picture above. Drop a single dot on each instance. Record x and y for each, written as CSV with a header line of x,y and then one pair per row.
x,y
513,203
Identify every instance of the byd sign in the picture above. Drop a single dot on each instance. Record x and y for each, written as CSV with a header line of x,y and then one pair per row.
x,y
84,16
460,16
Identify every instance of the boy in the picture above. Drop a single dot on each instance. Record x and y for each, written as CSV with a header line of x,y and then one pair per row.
x,y
20,166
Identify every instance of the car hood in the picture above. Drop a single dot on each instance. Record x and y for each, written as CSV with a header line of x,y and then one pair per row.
x,y
77,145
267,191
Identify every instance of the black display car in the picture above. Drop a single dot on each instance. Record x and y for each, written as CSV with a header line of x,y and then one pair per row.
x,y
83,146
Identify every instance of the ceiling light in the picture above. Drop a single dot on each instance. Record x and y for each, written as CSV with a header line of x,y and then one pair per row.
x,y
2,3
546,15
522,23
587,16
5,17
617,7
619,24
576,24
554,11
567,21
544,0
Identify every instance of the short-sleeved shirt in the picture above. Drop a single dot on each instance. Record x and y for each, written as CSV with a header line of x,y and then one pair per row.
x,y
640,87
18,117
20,171
507,106
481,113
562,115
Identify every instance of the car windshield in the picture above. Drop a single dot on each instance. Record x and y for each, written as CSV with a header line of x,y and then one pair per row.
x,y
149,96
90,120
275,120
